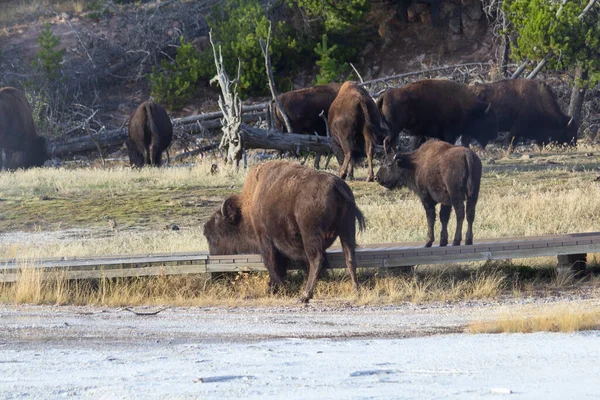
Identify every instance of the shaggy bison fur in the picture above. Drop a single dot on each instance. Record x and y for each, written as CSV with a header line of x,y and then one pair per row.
x,y
438,172
150,133
527,109
19,141
287,212
355,125
435,108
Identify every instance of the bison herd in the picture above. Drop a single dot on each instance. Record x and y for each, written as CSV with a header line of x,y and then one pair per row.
x,y
290,213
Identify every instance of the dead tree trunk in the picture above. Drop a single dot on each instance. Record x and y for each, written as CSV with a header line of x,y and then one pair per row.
x,y
231,105
578,93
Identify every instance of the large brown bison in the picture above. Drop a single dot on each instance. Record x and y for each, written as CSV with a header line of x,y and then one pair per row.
x,y
436,108
20,145
355,125
527,108
303,108
150,133
438,172
287,212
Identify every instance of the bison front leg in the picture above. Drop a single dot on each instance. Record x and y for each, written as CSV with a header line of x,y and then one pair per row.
x,y
445,211
270,259
429,205
459,209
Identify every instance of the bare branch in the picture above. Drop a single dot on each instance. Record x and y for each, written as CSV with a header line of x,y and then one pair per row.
x,y
357,74
265,50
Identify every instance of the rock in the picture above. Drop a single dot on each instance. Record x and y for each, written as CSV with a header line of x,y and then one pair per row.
x,y
448,9
454,24
171,227
474,12
525,157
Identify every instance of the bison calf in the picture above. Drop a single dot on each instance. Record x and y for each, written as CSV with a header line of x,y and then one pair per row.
x,y
150,133
438,172
355,125
287,212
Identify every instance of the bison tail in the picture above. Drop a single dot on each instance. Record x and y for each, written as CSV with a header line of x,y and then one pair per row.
x,y
469,158
346,193
360,217
150,125
369,125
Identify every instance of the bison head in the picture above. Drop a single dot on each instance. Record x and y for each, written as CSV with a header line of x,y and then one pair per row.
x,y
483,123
571,129
37,154
136,159
225,230
396,172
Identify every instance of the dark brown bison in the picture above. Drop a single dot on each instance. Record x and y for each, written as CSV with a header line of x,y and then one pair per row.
x,y
150,133
355,125
527,108
287,212
303,108
20,145
438,172
436,108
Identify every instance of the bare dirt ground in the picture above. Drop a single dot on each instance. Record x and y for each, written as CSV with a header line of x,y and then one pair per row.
x,y
316,351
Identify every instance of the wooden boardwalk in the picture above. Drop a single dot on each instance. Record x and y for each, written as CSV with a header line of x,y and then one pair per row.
x,y
368,256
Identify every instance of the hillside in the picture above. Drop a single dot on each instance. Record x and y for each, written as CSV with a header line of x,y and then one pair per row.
x,y
111,47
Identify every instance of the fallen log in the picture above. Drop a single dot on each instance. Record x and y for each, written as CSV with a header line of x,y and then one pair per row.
x,y
255,138
116,137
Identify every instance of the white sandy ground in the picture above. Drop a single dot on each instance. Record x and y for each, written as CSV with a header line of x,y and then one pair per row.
x,y
314,352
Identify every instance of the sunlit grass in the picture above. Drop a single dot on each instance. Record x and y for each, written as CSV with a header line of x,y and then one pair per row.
x,y
555,319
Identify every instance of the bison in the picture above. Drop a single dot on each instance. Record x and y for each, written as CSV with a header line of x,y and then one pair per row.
x,y
287,212
438,172
527,108
150,133
355,125
436,108
303,108
19,141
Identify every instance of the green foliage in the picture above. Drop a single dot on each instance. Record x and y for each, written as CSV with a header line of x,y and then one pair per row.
x,y
176,82
97,9
569,40
337,16
237,26
49,58
330,69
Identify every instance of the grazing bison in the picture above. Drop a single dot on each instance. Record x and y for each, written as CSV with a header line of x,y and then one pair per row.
x,y
436,108
150,133
287,212
438,172
527,108
20,145
303,108
355,124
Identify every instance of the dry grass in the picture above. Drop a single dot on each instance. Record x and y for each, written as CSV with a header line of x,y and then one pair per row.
x,y
39,205
249,289
14,10
557,319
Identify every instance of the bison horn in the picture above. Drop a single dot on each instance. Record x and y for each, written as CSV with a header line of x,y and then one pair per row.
x,y
489,107
570,122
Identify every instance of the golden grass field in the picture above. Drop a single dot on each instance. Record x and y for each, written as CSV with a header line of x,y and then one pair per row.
x,y
545,192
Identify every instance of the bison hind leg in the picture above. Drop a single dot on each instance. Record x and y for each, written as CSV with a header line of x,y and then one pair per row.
x,y
445,211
